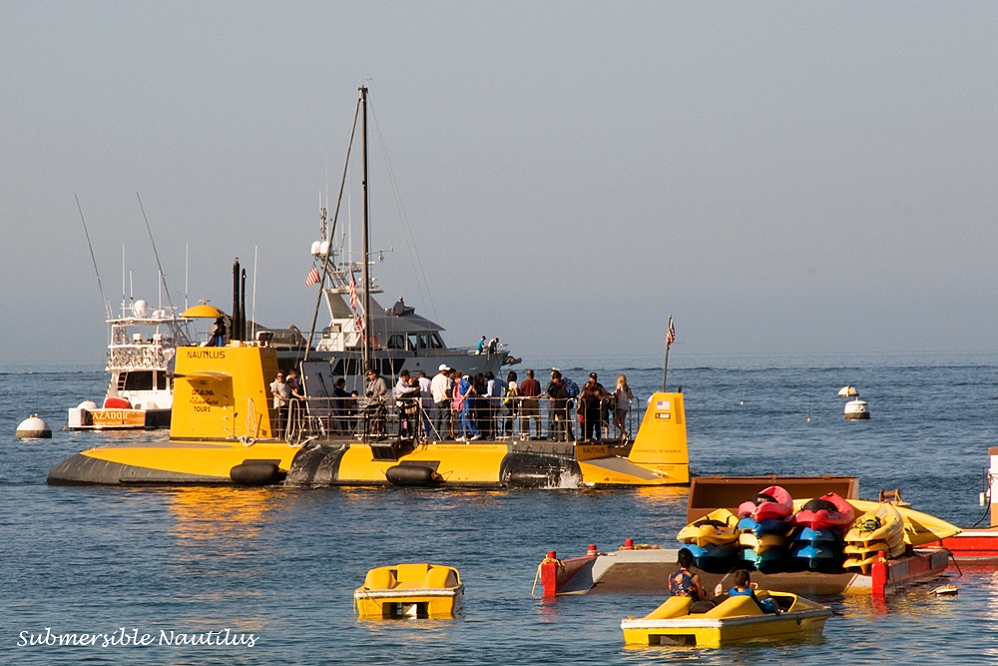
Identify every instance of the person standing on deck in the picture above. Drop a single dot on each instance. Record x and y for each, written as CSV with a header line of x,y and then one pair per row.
x,y
442,389
549,391
622,400
282,396
530,391
426,397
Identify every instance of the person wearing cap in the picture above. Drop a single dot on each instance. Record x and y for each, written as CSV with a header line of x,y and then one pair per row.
x,y
591,409
604,412
442,390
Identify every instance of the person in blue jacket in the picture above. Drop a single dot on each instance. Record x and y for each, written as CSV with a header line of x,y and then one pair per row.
x,y
743,588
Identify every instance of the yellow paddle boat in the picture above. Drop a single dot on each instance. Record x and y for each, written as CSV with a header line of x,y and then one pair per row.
x,y
410,590
717,528
737,619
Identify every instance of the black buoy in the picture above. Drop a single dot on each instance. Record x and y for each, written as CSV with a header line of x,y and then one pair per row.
x,y
411,475
256,473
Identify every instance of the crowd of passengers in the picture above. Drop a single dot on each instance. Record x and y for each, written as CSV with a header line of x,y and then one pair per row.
x,y
456,406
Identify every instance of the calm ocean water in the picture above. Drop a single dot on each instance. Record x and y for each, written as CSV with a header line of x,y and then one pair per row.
x,y
281,564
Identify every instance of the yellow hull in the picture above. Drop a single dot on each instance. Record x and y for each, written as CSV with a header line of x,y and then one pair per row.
x,y
736,620
221,432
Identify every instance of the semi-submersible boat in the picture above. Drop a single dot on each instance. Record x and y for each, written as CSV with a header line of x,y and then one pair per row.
x,y
223,429
225,432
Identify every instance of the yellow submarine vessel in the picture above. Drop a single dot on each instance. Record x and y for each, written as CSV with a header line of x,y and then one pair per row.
x,y
223,431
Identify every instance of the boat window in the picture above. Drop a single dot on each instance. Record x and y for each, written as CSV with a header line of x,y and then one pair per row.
x,y
391,366
139,381
435,341
346,367
396,342
161,381
423,341
412,342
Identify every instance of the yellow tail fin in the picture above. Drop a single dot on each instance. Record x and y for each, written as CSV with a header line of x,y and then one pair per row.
x,y
661,441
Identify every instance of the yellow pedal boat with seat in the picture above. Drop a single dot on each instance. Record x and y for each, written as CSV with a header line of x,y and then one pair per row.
x,y
735,620
410,590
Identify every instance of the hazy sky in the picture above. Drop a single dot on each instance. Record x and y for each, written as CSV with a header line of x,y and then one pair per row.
x,y
794,177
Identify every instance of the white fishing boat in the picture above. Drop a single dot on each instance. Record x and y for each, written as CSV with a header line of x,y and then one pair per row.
x,y
141,348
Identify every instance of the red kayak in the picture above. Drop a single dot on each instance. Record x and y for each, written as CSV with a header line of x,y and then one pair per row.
x,y
773,503
828,512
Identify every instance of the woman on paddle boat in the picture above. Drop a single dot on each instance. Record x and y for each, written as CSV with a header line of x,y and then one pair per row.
x,y
684,583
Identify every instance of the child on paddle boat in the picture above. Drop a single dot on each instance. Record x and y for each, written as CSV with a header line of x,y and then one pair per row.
x,y
743,587
685,583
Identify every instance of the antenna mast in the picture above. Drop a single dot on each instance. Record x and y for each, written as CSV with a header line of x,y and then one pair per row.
x,y
104,301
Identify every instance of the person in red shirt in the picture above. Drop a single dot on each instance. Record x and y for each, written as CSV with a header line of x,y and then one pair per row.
x,y
530,391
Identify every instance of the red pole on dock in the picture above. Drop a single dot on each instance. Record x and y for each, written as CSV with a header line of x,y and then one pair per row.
x,y
549,574
878,572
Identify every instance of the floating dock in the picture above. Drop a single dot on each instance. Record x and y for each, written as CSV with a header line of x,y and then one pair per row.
x,y
646,571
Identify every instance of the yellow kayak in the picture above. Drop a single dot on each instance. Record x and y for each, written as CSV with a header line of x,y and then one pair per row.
x,y
881,523
717,528
735,620
760,543
873,547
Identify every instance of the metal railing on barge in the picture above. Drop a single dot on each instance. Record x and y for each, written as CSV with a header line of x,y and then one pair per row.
x,y
387,419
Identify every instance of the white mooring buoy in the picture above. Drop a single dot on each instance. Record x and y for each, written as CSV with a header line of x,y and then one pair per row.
x,y
33,428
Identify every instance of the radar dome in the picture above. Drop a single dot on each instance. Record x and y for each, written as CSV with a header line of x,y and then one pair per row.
x,y
315,249
324,247
140,308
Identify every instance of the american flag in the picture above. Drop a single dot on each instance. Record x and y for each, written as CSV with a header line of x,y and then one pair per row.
x,y
353,293
670,337
313,277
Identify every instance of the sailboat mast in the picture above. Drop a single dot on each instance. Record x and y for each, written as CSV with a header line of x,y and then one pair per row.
x,y
365,250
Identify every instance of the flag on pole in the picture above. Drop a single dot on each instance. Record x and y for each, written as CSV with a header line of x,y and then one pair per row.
x,y
313,277
353,293
670,337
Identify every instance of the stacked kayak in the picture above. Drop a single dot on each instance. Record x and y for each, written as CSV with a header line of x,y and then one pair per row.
x,y
819,528
882,529
763,527
712,540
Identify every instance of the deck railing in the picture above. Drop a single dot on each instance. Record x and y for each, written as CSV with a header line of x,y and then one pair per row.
x,y
411,419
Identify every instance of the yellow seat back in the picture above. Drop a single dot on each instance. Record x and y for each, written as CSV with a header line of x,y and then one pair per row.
x,y
673,607
441,577
735,607
412,573
381,578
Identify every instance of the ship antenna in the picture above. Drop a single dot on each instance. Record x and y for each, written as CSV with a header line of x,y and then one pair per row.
x,y
332,231
107,306
162,277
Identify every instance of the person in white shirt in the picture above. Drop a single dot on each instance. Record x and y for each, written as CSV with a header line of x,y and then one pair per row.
x,y
441,389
